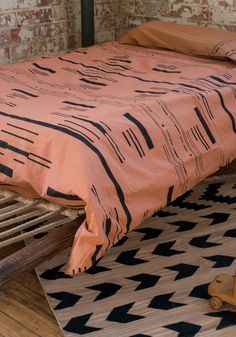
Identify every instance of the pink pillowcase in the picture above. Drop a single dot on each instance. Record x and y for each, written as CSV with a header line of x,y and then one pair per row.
x,y
187,39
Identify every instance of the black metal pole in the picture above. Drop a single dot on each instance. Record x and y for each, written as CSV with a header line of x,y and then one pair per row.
x,y
87,22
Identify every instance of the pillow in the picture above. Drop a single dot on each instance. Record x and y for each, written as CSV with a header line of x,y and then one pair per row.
x,y
187,39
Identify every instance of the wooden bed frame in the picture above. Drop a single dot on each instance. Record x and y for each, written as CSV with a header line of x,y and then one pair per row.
x,y
16,216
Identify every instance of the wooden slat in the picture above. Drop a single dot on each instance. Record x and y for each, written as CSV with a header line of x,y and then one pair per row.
x,y
38,251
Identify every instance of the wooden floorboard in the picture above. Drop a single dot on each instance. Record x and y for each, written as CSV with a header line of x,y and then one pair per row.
x,y
24,311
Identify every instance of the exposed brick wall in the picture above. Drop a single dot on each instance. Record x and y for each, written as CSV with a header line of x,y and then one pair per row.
x,y
106,20
212,13
38,27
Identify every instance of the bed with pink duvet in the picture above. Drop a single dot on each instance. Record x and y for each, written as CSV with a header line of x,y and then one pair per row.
x,y
118,130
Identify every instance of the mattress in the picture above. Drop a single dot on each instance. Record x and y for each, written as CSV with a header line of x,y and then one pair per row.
x,y
120,131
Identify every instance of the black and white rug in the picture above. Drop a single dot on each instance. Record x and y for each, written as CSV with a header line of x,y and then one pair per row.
x,y
154,281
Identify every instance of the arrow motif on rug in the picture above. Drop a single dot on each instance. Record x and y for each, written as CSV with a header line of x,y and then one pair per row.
x,y
189,205
165,249
228,318
78,325
183,225
222,261
66,299
128,258
121,315
211,195
163,214
121,241
141,335
231,233
163,302
106,290
184,270
150,233
217,218
184,329
201,291
96,269
146,280
201,242
54,274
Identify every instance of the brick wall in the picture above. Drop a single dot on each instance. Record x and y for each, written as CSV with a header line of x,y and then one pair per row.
x,y
212,13
38,27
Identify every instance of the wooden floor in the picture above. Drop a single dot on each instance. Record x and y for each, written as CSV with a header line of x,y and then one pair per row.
x,y
24,311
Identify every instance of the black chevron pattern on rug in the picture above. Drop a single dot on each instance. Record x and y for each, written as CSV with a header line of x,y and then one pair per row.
x,y
141,335
184,270
221,261
231,233
163,214
202,242
105,289
146,281
150,233
121,314
213,194
128,258
183,225
78,325
188,205
66,299
228,318
163,302
184,329
164,266
54,274
200,291
217,217
96,269
165,249
121,242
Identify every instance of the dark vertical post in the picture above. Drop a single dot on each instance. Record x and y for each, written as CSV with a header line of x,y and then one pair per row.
x,y
87,22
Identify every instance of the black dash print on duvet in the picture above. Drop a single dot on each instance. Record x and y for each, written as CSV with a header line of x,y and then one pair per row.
x,y
167,71
56,194
7,171
150,92
79,104
24,129
142,129
17,136
25,92
44,68
205,126
170,194
95,150
136,142
227,110
92,82
26,154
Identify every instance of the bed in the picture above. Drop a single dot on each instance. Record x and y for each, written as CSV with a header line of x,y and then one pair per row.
x,y
112,131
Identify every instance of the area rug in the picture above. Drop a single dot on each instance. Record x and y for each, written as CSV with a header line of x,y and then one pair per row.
x,y
154,281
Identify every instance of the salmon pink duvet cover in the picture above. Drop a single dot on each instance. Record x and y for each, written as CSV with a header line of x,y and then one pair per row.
x,y
121,130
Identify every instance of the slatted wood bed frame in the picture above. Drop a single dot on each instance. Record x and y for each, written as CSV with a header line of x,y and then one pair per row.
x,y
22,220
